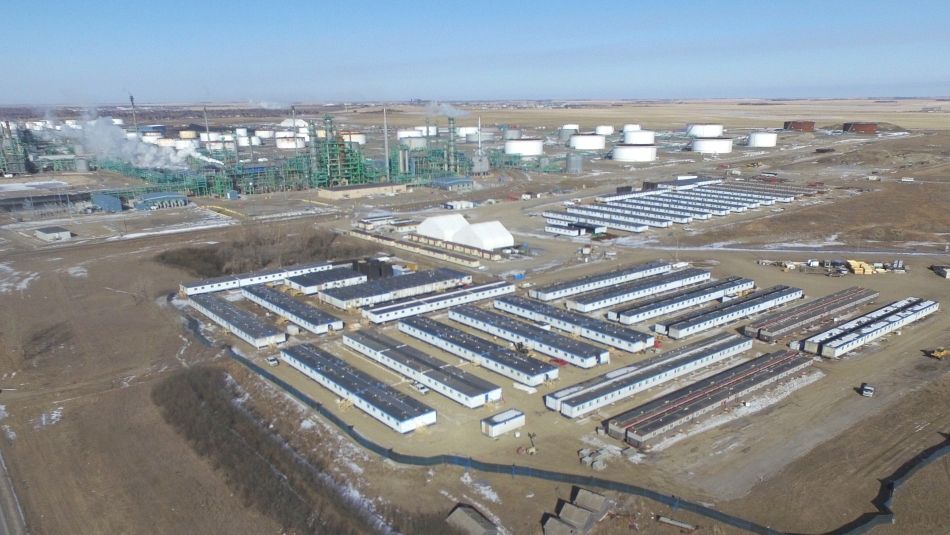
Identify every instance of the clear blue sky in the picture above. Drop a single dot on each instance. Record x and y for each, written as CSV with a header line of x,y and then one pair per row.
x,y
94,51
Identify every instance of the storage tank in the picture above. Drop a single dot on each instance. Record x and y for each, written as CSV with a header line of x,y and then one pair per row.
x,y
118,122
414,143
240,132
215,145
188,134
281,134
574,164
264,134
763,139
630,127
712,145
464,131
525,147
255,141
404,133
588,141
604,130
704,130
634,153
512,133
486,136
290,143
243,141
428,130
564,134
354,137
571,126
166,142
639,137
186,144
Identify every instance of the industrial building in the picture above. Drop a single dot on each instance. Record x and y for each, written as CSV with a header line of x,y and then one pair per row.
x,y
233,282
774,326
241,323
860,128
511,364
389,289
311,283
839,340
576,323
489,235
454,383
503,422
676,301
587,396
640,425
622,293
310,318
576,352
694,322
154,201
412,306
377,399
600,280
51,234
799,126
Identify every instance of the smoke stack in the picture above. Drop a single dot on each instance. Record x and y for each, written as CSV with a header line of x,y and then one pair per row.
x,y
451,145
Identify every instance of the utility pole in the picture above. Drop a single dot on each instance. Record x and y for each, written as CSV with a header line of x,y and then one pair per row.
x,y
386,144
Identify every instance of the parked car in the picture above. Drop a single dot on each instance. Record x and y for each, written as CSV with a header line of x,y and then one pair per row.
x,y
272,361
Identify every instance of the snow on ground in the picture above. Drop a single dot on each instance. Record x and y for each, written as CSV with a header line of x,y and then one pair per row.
x,y
8,432
26,186
3,412
755,404
12,280
48,418
482,488
79,271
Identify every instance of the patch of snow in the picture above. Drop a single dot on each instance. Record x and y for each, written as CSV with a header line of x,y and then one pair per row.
x,y
48,418
13,280
307,424
3,412
78,271
482,488
9,433
26,186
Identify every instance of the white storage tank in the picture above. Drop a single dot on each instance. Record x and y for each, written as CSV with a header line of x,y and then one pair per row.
x,y
404,133
240,132
264,134
187,134
630,127
571,126
588,141
564,134
486,136
513,133
639,137
763,139
354,137
634,153
290,143
414,143
284,134
712,145
464,131
243,141
428,130
166,142
503,422
186,144
118,122
525,147
215,146
704,130
255,141
604,130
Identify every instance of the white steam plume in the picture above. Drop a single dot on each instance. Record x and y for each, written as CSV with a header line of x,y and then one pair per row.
x,y
438,108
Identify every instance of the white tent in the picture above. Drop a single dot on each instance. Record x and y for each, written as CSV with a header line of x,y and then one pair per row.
x,y
442,227
489,235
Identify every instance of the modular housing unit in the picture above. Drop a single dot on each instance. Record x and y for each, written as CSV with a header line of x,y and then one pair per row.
x,y
706,202
378,291
525,370
776,325
454,383
638,426
585,397
580,354
377,399
849,339
663,203
564,230
412,306
813,344
241,323
750,194
233,282
597,211
658,213
311,283
606,222
729,311
600,280
503,422
576,323
629,291
311,318
669,303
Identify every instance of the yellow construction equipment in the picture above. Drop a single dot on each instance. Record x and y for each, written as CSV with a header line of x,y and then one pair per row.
x,y
940,353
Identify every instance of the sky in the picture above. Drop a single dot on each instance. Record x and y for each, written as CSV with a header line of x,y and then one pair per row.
x,y
94,52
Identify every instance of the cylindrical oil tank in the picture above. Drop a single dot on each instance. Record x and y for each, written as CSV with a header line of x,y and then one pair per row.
x,y
486,137
414,143
354,137
704,130
428,130
188,134
588,141
634,153
631,127
255,141
571,126
281,134
243,141
404,133
264,134
604,130
464,131
639,137
215,145
118,122
763,139
525,147
712,145
228,145
186,144
574,164
564,134
240,132
290,143
513,133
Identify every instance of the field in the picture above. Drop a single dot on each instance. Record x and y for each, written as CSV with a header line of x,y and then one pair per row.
x,y
90,328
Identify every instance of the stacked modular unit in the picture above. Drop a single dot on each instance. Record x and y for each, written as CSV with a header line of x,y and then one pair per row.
x,y
576,323
600,280
388,289
413,306
455,384
629,291
580,354
379,400
525,370
694,322
774,326
241,323
667,304
310,318
583,398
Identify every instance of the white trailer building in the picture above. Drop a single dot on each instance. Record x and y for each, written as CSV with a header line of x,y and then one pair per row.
x,y
310,318
233,282
676,301
389,289
241,323
413,306
337,277
503,422
600,280
629,291
730,311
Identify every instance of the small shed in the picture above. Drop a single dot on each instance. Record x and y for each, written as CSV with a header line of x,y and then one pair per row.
x,y
453,183
503,422
53,234
469,520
